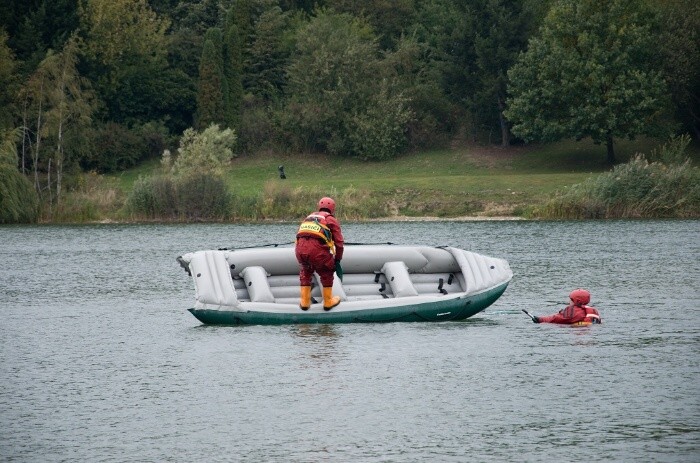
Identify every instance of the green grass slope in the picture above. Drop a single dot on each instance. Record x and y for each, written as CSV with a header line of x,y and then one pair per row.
x,y
462,181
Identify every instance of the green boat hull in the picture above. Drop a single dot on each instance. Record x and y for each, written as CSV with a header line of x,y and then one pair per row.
x,y
440,310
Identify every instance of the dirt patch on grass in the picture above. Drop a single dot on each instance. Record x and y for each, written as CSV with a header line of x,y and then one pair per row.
x,y
490,156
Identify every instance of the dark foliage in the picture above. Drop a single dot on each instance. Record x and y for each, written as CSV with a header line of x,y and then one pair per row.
x,y
114,148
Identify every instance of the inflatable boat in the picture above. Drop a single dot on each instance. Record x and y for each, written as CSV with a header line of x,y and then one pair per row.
x,y
380,283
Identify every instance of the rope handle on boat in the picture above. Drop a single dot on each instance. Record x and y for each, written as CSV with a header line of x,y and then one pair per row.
x,y
274,245
269,245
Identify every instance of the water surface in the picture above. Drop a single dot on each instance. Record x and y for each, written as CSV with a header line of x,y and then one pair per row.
x,y
101,362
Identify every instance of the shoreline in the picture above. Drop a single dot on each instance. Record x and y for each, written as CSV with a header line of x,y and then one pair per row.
x,y
466,218
398,218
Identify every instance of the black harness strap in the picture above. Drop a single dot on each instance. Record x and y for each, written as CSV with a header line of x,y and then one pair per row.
x,y
382,289
441,281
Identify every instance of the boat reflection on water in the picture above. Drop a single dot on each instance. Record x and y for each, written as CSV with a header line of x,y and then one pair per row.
x,y
314,331
321,338
320,354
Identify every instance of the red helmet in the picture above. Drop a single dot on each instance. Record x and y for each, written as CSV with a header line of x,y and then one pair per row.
x,y
580,297
327,203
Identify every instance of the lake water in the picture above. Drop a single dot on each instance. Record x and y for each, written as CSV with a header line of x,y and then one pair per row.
x,y
101,362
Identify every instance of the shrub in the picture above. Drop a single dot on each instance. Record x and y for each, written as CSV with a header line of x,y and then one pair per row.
x,y
673,152
284,202
356,204
155,138
197,197
19,202
18,199
280,201
202,196
632,190
74,208
191,187
88,197
209,151
245,207
153,198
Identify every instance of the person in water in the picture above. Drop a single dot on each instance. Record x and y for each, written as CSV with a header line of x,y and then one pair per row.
x,y
319,248
577,312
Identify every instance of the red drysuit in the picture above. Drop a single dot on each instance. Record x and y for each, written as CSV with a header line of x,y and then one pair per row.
x,y
572,314
319,246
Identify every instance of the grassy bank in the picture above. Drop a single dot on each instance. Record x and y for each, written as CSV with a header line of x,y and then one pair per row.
x,y
462,181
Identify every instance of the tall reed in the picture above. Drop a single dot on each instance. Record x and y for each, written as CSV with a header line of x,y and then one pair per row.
x,y
636,189
195,197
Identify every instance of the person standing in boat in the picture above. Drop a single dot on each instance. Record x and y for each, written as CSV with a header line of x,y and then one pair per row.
x,y
319,248
577,312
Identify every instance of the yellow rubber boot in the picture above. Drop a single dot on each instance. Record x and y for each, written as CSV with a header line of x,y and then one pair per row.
x,y
305,301
329,301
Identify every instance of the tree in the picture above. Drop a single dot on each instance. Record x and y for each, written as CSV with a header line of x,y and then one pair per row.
x,y
212,88
414,70
113,148
36,26
238,36
190,22
338,92
431,60
60,101
234,42
71,102
154,92
680,56
125,46
8,80
330,76
501,32
198,172
33,96
589,73
390,18
471,45
269,55
121,32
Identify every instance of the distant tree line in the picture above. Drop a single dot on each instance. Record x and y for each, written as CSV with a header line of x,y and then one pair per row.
x,y
101,85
